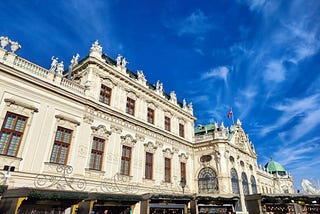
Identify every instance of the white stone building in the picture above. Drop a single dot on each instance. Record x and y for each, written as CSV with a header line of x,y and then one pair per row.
x,y
97,137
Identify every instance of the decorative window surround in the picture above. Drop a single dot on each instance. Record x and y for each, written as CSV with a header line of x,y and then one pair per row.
x,y
64,120
183,158
167,153
128,140
150,147
101,132
15,103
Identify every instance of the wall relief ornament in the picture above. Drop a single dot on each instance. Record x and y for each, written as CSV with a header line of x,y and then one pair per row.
x,y
167,153
100,131
128,140
150,147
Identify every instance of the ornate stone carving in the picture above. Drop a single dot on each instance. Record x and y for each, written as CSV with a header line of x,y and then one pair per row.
x,y
167,153
140,137
54,64
150,147
116,129
14,46
101,131
19,106
60,68
128,140
96,50
183,157
159,144
4,40
67,121
173,97
141,78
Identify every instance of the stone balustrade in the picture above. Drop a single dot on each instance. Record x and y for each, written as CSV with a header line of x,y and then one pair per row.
x,y
22,65
73,86
27,66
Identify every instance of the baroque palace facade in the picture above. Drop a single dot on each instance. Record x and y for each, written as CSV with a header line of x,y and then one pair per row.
x,y
98,138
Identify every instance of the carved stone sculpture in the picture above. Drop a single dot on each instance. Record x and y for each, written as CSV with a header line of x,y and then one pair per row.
x,y
15,46
60,68
4,40
54,64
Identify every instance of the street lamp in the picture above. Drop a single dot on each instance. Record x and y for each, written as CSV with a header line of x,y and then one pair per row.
x,y
183,184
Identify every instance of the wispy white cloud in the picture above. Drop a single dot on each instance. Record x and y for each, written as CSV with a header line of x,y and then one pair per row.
x,y
196,23
244,100
306,108
275,72
302,154
220,72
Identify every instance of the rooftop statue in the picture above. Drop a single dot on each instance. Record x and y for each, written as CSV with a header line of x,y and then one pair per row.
x,y
60,68
118,60
124,62
4,40
173,96
74,60
141,75
184,103
96,50
14,46
54,64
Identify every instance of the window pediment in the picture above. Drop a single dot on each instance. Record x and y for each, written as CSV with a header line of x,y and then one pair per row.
x,y
100,131
150,147
167,153
128,140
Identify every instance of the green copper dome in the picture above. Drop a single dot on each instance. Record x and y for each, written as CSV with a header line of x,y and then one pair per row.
x,y
274,167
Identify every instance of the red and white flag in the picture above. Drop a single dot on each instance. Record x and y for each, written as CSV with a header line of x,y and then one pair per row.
x,y
230,113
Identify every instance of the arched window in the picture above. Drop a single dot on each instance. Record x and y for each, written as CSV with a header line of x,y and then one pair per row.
x,y
235,187
253,185
207,181
245,185
235,181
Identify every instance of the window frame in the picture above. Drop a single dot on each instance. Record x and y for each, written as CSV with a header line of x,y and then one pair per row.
x,y
167,170
130,106
167,123
95,152
61,144
149,166
183,171
13,132
181,130
106,93
125,168
150,115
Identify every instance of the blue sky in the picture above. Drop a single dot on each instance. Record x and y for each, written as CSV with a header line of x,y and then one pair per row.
x,y
260,57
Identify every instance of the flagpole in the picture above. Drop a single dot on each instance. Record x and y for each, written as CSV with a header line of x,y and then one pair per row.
x,y
232,118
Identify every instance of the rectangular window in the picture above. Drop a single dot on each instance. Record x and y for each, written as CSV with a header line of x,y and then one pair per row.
x,y
183,171
130,106
150,115
181,130
96,153
125,160
167,123
167,170
149,165
61,146
105,94
11,133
